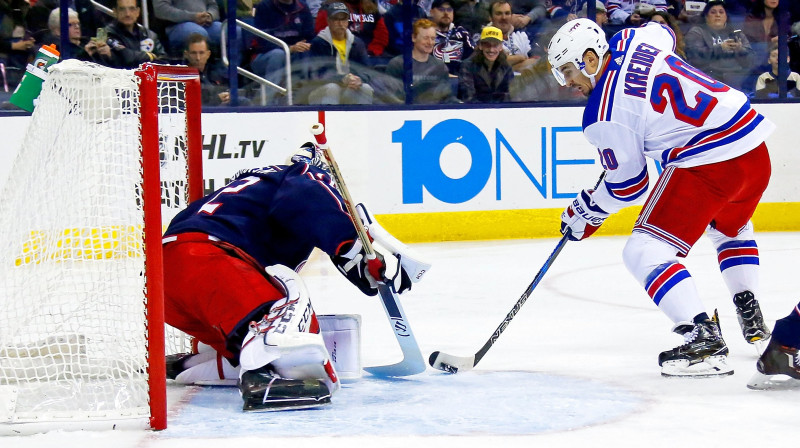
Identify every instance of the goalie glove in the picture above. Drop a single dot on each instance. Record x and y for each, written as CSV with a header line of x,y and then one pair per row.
x,y
583,217
351,260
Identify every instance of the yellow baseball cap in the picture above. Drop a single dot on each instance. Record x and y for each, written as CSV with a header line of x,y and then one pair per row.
x,y
490,33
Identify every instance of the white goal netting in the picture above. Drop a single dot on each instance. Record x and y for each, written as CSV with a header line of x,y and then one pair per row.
x,y
73,329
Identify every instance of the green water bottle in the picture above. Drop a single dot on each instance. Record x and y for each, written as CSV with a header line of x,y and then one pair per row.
x,y
30,86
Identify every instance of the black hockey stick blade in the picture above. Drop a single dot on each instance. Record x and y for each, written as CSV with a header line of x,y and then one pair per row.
x,y
412,362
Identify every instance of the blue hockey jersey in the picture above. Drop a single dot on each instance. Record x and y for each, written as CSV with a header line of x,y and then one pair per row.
x,y
277,214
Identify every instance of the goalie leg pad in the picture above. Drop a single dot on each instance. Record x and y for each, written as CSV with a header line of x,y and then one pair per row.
x,y
342,336
286,339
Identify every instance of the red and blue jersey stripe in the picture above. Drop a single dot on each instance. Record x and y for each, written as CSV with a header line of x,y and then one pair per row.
x,y
743,122
631,189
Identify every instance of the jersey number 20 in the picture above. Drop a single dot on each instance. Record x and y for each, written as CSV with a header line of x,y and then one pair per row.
x,y
667,89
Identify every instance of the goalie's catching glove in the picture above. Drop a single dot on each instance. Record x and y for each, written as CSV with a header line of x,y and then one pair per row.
x,y
583,217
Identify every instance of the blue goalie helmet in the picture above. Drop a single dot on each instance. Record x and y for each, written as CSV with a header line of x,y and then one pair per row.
x,y
310,154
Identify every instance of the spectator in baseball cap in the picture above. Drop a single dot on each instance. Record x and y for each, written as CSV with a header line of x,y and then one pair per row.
x,y
486,76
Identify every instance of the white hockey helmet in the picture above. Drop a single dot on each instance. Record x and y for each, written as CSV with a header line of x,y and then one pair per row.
x,y
570,43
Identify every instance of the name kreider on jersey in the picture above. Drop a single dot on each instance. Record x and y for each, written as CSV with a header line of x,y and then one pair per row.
x,y
638,70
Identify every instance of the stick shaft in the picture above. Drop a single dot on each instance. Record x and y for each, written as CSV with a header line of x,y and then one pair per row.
x,y
412,362
322,142
475,359
521,301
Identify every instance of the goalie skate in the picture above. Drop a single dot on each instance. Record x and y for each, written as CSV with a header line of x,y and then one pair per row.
x,y
704,354
263,390
777,369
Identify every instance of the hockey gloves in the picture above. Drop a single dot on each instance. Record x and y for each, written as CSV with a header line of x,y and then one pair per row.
x,y
400,270
352,263
583,217
411,267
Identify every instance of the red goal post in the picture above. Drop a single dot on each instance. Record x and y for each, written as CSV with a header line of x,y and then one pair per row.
x,y
149,76
109,158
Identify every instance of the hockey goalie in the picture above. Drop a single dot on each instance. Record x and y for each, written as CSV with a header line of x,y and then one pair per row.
x,y
231,282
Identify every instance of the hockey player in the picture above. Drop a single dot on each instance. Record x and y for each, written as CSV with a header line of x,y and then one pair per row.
x,y
230,281
779,366
644,101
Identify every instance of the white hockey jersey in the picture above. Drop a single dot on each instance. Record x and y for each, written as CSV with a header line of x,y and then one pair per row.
x,y
650,102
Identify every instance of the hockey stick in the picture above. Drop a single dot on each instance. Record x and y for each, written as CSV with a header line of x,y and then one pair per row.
x,y
412,362
454,364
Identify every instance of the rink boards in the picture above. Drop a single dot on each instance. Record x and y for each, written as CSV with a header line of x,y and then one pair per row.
x,y
469,174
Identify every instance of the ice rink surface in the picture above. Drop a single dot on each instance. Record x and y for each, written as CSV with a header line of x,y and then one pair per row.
x,y
575,368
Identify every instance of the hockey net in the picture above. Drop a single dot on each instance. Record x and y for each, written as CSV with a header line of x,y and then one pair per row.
x,y
81,294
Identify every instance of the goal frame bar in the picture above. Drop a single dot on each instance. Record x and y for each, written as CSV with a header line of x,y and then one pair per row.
x,y
149,74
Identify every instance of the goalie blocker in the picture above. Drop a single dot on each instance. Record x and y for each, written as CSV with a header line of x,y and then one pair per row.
x,y
402,270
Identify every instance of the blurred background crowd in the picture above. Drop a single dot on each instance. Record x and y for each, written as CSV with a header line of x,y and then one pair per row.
x,y
295,52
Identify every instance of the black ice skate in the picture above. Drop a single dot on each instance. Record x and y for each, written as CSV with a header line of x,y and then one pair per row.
x,y
175,364
704,354
263,390
750,318
778,368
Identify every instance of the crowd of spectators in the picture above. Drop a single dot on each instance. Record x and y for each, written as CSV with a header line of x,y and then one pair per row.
x,y
354,51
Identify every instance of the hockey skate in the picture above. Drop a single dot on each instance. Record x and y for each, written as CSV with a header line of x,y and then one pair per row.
x,y
704,354
205,368
264,390
175,364
778,368
750,318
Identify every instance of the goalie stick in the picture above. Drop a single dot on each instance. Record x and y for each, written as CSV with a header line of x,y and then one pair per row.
x,y
412,362
453,364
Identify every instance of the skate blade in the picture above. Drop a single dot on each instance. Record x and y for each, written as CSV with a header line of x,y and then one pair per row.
x,y
759,381
713,366
760,345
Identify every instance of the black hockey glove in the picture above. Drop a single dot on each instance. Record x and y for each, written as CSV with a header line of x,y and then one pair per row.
x,y
352,263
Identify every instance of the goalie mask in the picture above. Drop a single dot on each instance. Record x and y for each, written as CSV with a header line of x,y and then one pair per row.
x,y
310,154
570,43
